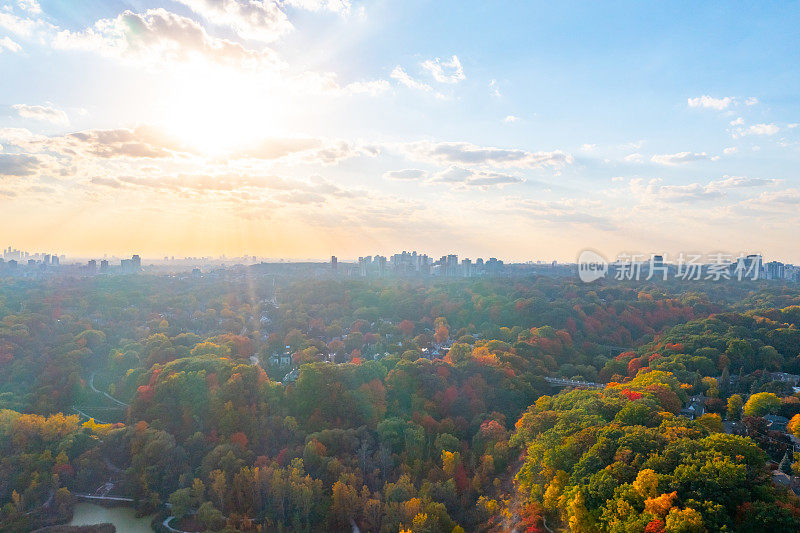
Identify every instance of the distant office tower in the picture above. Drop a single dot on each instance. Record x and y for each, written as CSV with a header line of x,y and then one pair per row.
x,y
753,266
466,268
92,265
54,260
334,263
137,262
104,265
451,265
775,270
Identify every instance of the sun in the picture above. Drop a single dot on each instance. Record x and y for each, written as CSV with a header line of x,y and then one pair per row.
x,y
218,110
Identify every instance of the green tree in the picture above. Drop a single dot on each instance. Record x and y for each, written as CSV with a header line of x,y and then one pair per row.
x,y
210,517
181,501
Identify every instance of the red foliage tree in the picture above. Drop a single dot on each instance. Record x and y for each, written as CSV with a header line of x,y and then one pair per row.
x,y
146,393
631,394
654,526
406,327
634,366
240,439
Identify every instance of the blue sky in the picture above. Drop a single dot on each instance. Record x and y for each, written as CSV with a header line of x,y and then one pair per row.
x,y
301,128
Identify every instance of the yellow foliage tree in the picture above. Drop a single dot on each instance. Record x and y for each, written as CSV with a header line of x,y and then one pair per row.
x,y
794,426
646,483
712,421
450,461
579,519
684,521
660,505
554,490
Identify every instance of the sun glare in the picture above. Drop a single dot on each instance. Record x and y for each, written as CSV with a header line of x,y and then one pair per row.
x,y
218,111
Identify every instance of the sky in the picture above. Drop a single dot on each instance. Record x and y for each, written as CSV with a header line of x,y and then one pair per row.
x,y
308,128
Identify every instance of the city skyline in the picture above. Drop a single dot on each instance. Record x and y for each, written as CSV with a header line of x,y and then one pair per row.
x,y
334,127
405,257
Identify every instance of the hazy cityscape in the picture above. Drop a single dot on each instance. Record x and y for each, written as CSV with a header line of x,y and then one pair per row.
x,y
26,264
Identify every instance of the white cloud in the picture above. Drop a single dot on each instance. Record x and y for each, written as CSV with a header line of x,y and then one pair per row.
x,y
762,129
371,88
710,102
730,150
39,112
736,182
511,118
653,192
31,6
18,136
157,36
634,158
22,26
275,148
334,152
756,129
23,19
152,143
239,188
588,147
18,165
634,145
792,125
408,174
680,157
460,153
403,77
771,203
494,89
335,6
568,211
7,44
327,83
751,101
139,142
445,71
261,20
470,178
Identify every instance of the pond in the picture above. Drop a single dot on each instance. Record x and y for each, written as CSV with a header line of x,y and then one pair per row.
x,y
124,518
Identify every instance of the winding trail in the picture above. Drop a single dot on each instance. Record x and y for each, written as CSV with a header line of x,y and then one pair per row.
x,y
104,498
107,395
87,417
560,382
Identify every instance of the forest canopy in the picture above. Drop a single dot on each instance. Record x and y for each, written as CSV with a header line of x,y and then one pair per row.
x,y
243,402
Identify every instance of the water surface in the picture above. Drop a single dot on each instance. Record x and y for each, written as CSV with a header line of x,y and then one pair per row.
x,y
124,518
